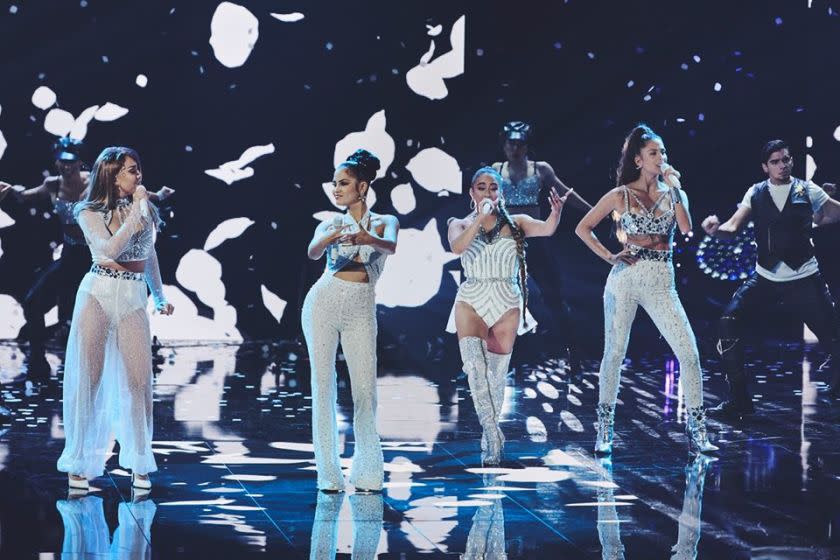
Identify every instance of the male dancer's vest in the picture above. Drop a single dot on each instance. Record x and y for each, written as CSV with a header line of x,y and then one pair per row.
x,y
783,236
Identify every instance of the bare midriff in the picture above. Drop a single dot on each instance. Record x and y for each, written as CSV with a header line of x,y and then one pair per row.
x,y
128,266
353,272
654,242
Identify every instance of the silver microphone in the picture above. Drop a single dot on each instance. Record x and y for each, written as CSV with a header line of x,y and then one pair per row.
x,y
337,222
486,207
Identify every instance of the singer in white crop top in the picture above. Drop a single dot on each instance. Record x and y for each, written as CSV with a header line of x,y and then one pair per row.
x,y
108,364
341,308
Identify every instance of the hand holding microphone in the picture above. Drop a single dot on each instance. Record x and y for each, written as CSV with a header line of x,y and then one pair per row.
x,y
486,206
671,176
141,197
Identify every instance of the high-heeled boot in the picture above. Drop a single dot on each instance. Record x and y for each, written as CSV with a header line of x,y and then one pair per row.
x,y
498,366
606,421
474,356
695,428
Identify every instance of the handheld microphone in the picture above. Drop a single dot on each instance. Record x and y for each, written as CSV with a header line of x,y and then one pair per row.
x,y
486,207
337,222
144,209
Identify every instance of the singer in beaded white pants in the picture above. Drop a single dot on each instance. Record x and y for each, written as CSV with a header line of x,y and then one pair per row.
x,y
649,284
334,311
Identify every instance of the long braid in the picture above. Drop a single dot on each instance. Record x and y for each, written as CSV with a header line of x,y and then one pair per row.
x,y
519,237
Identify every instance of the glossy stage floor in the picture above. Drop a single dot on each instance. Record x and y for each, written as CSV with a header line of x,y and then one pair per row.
x,y
236,478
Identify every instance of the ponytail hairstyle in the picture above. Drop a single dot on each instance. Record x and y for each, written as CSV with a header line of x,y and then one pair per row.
x,y
362,165
102,190
518,236
627,172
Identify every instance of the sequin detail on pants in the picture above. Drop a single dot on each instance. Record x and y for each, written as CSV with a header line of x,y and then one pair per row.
x,y
336,311
649,284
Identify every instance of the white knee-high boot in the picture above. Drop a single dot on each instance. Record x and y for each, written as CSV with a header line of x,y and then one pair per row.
x,y
475,357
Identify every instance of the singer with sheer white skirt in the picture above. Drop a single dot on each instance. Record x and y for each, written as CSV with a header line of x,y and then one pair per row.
x,y
492,301
108,364
341,307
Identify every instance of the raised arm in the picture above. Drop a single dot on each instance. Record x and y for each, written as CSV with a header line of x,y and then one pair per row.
x,y
543,228
386,244
551,180
586,228
828,213
101,240
730,228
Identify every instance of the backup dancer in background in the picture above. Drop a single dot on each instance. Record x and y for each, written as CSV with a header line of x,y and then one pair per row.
x,y
108,364
341,307
525,184
783,210
647,211
493,297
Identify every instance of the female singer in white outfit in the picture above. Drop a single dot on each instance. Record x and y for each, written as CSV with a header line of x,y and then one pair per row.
x,y
341,307
493,297
108,365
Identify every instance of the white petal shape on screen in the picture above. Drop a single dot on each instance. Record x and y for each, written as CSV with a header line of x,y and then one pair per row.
x,y
141,80
559,458
80,126
58,122
3,144
373,138
186,323
1,247
810,167
110,112
229,229
234,31
328,190
427,79
51,317
11,317
436,171
427,56
5,220
837,133
413,274
325,215
233,171
288,18
434,31
43,98
199,272
402,198
275,305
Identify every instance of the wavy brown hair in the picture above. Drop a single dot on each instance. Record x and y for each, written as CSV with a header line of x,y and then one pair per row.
x,y
102,192
518,236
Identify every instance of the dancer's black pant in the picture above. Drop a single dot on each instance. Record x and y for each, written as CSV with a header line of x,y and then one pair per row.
x,y
806,299
56,283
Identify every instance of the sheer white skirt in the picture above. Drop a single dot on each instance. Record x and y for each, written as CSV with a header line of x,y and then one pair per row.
x,y
108,377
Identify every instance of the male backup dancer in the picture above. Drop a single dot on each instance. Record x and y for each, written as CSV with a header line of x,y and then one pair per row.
x,y
783,209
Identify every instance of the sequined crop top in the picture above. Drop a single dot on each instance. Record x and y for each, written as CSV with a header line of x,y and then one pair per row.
x,y
64,211
128,243
339,256
524,193
647,222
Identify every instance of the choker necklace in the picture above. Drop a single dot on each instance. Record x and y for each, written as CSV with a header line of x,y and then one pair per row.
x,y
493,234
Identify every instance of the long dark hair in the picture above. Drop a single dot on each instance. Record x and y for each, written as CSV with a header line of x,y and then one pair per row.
x,y
518,236
102,190
627,172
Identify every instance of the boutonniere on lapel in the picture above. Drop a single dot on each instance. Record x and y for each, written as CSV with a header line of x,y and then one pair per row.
x,y
799,190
